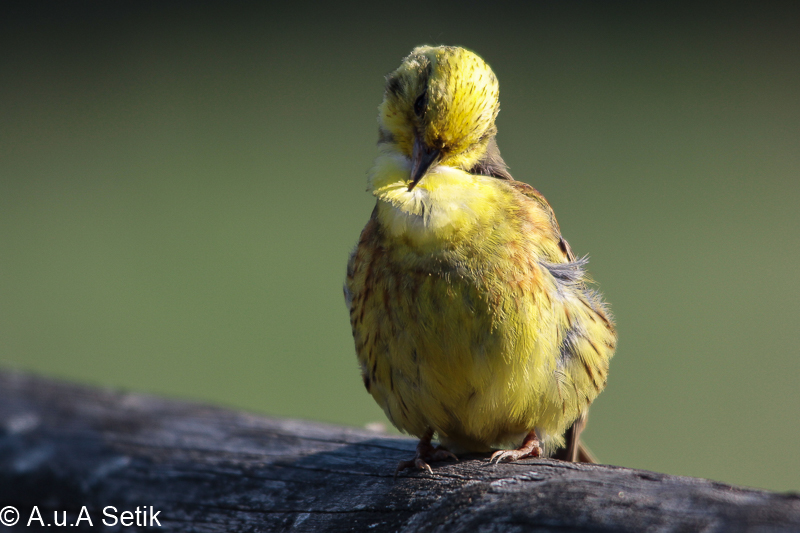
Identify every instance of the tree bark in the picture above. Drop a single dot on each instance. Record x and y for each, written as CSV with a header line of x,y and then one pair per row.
x,y
81,450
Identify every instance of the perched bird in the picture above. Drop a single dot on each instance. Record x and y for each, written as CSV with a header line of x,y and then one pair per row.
x,y
472,319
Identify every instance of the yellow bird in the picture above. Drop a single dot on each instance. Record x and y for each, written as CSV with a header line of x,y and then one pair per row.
x,y
471,317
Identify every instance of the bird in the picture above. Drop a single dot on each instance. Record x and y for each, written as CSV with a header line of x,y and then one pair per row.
x,y
473,321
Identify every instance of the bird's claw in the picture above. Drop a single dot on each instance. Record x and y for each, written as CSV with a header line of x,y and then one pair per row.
x,y
508,456
442,454
530,448
426,452
417,463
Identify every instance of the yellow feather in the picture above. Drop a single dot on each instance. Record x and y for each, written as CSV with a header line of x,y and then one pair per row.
x,y
470,316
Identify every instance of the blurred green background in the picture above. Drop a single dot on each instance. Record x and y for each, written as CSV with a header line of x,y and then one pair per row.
x,y
181,184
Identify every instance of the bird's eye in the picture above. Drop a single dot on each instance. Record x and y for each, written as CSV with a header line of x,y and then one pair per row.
x,y
419,105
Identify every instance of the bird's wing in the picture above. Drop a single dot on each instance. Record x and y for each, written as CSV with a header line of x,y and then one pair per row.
x,y
536,196
574,450
492,164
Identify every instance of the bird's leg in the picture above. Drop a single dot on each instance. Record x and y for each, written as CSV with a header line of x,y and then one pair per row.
x,y
426,452
530,448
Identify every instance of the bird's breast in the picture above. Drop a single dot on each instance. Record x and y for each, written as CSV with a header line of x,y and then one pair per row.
x,y
446,207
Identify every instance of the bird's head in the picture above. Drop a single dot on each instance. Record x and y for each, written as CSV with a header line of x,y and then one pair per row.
x,y
439,107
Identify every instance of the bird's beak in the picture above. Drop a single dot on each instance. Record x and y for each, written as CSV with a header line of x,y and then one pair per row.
x,y
422,159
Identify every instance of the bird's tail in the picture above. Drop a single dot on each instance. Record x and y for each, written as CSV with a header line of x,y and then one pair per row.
x,y
574,450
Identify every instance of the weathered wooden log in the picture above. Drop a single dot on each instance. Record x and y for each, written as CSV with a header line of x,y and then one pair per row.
x,y
89,455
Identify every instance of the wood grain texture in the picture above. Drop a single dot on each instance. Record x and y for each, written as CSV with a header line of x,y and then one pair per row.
x,y
209,469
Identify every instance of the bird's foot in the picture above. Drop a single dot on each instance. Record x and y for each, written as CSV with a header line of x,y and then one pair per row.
x,y
426,453
530,448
